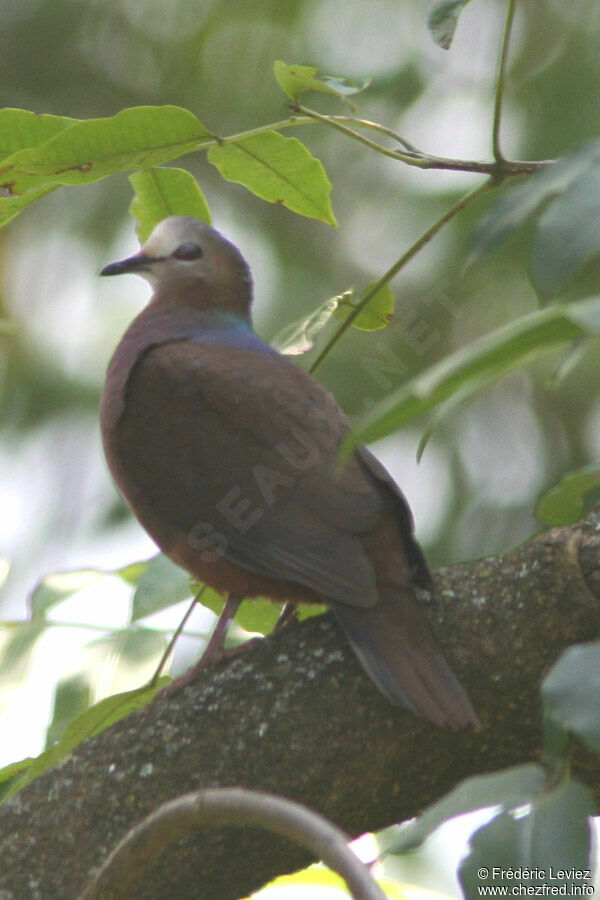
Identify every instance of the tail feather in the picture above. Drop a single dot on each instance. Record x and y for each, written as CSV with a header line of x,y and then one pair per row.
x,y
395,648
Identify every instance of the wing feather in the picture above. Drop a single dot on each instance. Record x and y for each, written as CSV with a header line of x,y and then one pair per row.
x,y
249,446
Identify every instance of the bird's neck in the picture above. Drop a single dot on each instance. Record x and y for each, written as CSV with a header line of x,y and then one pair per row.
x,y
208,297
182,318
162,323
225,318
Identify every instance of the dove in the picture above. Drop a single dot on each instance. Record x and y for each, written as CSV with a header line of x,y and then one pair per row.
x,y
229,454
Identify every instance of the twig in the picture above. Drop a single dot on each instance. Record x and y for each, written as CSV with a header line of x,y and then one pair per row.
x,y
497,169
501,82
175,636
427,235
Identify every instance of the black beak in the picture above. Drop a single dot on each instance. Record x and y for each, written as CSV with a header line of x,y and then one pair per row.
x,y
137,263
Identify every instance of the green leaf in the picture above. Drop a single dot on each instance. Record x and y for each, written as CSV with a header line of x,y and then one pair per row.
x,y
558,829
572,358
317,877
443,19
309,610
564,503
379,310
301,336
461,397
132,573
71,697
510,788
11,775
161,585
258,615
520,203
162,192
134,138
568,232
556,749
17,768
278,169
17,650
296,80
376,314
12,206
511,853
133,652
571,692
481,364
211,599
494,846
20,128
91,722
53,589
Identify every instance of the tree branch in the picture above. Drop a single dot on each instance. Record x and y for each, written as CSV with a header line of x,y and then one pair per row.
x,y
297,717
141,846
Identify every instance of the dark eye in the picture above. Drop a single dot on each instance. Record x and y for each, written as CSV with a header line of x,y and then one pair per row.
x,y
188,251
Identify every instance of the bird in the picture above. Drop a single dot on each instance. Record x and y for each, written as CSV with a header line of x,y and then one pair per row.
x,y
229,454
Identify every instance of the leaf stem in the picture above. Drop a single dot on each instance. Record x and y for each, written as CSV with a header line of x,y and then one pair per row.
x,y
175,637
412,251
498,169
411,155
382,129
412,158
501,81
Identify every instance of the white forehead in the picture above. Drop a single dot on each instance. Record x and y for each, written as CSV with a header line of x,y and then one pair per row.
x,y
172,232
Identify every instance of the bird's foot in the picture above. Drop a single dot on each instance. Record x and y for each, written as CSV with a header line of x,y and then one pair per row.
x,y
214,651
203,663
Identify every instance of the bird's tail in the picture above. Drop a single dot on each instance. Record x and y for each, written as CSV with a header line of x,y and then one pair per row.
x,y
397,651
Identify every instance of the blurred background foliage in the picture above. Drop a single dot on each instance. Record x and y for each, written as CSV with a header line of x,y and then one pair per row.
x,y
475,489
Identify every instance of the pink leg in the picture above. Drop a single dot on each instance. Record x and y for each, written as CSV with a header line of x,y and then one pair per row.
x,y
214,650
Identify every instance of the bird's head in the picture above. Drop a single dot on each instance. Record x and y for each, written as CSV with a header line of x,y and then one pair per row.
x,y
186,261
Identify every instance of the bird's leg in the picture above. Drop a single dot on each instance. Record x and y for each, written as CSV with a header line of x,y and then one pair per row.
x,y
286,616
215,647
214,650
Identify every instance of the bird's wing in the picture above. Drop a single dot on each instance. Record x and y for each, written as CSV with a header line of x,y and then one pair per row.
x,y
247,444
420,574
